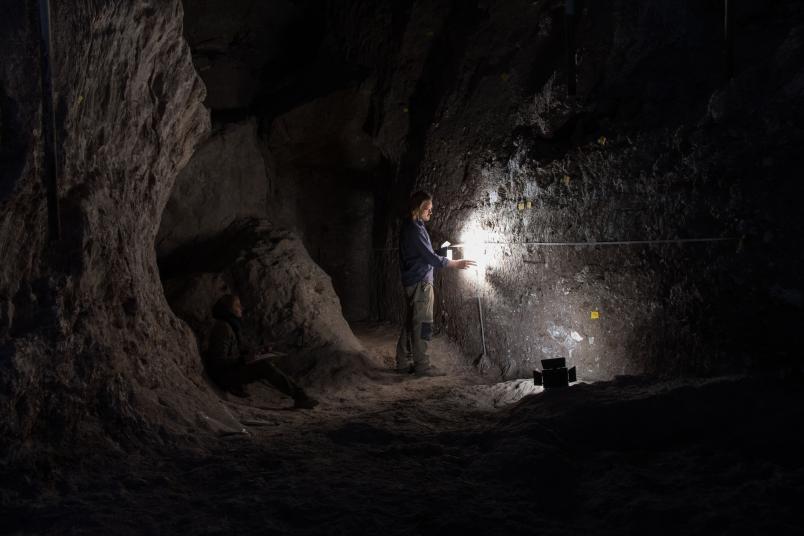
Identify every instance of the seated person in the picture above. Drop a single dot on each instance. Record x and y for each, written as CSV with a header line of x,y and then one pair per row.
x,y
228,361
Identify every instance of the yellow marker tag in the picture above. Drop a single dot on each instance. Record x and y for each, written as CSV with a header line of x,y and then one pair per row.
x,y
529,204
567,180
602,141
595,315
520,205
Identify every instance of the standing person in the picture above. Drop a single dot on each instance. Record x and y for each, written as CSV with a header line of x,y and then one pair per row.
x,y
232,366
417,260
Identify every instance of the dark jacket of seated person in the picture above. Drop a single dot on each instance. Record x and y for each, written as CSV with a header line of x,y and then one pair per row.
x,y
227,358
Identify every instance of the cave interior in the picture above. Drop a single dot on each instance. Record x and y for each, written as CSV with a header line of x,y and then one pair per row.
x,y
626,175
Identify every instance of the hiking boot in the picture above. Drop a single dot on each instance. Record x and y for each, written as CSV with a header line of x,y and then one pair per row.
x,y
429,372
304,402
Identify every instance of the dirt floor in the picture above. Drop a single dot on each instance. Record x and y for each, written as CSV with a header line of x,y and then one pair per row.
x,y
459,453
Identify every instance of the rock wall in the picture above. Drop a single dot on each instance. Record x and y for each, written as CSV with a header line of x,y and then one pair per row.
x,y
232,43
288,300
468,99
88,344
322,181
470,102
646,151
272,63
223,181
463,98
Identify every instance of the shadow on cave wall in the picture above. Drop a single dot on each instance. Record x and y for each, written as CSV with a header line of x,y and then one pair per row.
x,y
289,107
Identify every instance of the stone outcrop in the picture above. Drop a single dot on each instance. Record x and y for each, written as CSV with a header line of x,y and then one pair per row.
x,y
288,300
274,61
223,181
88,344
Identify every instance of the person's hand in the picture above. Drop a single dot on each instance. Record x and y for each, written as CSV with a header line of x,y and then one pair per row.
x,y
462,264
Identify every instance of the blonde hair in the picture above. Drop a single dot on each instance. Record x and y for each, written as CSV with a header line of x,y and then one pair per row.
x,y
417,199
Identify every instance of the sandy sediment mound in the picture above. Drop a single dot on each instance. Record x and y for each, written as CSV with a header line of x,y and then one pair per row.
x,y
289,301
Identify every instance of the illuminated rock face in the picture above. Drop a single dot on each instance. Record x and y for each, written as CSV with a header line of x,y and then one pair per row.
x,y
656,146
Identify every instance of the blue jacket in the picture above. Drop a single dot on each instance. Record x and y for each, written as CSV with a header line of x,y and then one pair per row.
x,y
416,256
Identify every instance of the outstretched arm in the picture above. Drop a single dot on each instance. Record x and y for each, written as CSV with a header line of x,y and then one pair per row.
x,y
425,250
461,264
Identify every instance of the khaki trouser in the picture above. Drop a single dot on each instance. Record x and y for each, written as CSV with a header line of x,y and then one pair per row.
x,y
417,327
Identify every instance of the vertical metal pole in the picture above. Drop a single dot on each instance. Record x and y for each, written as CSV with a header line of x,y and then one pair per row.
x,y
482,330
569,31
728,38
50,146
480,313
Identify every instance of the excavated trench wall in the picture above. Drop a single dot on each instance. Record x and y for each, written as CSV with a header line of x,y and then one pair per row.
x,y
656,146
